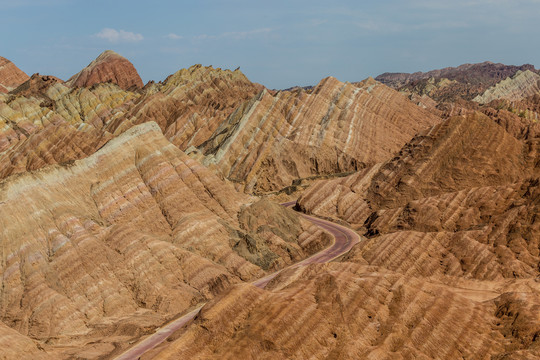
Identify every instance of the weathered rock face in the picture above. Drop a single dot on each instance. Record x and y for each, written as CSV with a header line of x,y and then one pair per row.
x,y
13,345
466,192
118,242
190,104
55,124
485,233
520,86
350,311
449,267
188,107
444,90
454,89
507,94
318,132
462,152
36,86
10,76
57,143
338,127
518,118
109,229
276,235
108,67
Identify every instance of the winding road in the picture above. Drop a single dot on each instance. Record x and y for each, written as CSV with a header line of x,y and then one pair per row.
x,y
344,240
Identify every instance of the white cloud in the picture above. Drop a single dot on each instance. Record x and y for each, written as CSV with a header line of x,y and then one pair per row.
x,y
173,36
114,35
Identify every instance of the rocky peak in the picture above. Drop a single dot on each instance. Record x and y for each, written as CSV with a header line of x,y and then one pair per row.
x,y
108,67
36,86
199,73
10,75
329,82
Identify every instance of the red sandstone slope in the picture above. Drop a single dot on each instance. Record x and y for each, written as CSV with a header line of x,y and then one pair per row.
x,y
10,75
108,67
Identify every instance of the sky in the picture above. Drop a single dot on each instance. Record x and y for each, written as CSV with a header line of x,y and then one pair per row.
x,y
277,43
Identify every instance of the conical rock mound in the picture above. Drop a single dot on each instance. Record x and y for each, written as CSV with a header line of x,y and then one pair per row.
x,y
108,67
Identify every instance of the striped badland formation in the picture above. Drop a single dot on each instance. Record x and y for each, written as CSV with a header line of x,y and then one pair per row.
x,y
123,206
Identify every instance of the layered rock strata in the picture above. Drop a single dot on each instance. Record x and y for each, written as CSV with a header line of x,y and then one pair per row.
x,y
518,118
56,124
337,127
189,106
466,190
448,267
100,250
352,311
522,85
10,76
485,74
13,345
36,86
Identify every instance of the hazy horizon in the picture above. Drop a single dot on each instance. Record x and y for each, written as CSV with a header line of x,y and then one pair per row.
x,y
279,44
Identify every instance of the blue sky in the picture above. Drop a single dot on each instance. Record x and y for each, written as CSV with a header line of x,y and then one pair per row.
x,y
276,43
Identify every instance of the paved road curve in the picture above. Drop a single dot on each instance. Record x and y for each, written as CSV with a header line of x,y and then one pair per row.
x,y
345,238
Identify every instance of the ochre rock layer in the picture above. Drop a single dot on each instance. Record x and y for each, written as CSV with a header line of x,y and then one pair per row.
x,y
36,86
334,128
55,124
109,229
448,267
518,118
13,345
